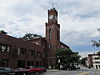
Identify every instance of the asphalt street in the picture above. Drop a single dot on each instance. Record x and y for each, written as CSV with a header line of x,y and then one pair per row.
x,y
77,72
72,73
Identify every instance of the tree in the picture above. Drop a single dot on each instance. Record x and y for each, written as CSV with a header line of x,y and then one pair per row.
x,y
3,32
98,53
75,57
96,43
83,61
67,57
29,36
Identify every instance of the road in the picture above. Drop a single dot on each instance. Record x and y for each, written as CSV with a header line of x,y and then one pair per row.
x,y
78,72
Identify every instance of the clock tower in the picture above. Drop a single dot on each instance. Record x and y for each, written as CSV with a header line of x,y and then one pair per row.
x,y
52,36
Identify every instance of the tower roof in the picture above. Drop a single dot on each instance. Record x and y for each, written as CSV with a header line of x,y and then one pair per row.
x,y
53,9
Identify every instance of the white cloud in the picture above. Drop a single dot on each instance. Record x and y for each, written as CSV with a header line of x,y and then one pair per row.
x,y
78,18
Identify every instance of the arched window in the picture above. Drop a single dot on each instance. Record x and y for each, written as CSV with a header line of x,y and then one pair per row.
x,y
50,34
57,34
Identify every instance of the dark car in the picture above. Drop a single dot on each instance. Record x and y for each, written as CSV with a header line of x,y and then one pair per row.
x,y
21,71
74,68
6,71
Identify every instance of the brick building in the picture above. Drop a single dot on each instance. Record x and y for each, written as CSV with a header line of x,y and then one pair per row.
x,y
16,52
89,60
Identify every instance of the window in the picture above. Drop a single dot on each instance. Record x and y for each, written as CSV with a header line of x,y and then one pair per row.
x,y
40,63
0,47
96,62
21,51
37,64
8,48
32,53
49,45
4,62
97,58
57,34
5,48
18,51
38,54
30,63
21,63
50,34
37,43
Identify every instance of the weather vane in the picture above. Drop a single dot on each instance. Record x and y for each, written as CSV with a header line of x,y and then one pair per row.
x,y
52,4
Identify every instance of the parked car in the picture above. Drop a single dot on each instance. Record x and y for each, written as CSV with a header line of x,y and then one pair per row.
x,y
6,71
36,69
41,69
31,68
21,71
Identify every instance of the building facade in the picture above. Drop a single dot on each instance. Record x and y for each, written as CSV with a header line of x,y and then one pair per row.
x,y
16,52
89,61
93,61
96,61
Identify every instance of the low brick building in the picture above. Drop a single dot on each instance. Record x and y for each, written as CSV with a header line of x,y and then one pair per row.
x,y
19,53
16,52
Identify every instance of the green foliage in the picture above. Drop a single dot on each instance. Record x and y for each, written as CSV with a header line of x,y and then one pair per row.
x,y
75,57
63,53
98,53
67,56
83,61
30,36
3,32
96,43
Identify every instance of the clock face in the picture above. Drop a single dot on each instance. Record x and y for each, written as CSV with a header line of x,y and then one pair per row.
x,y
51,17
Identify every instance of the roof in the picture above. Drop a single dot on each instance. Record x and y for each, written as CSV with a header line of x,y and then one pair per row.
x,y
92,54
64,45
17,42
41,38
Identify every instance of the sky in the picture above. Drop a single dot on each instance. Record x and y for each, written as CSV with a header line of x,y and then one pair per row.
x,y
78,19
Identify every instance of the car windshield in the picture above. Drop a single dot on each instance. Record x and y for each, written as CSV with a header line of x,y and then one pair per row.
x,y
30,67
41,67
20,69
